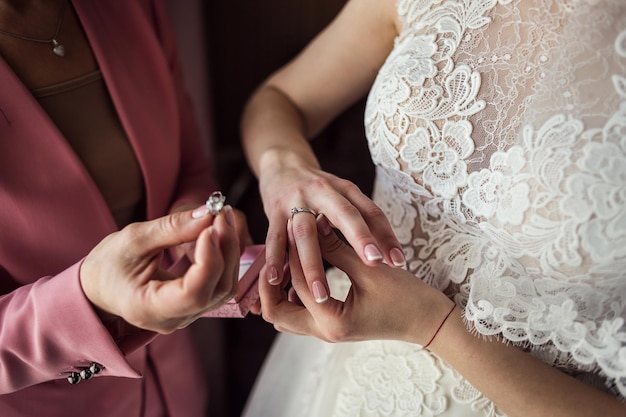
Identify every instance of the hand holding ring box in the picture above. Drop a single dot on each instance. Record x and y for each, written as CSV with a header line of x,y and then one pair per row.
x,y
250,263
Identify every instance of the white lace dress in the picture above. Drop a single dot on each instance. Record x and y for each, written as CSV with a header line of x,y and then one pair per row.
x,y
498,128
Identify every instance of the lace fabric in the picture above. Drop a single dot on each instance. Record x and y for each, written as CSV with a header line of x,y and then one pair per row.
x,y
387,378
499,133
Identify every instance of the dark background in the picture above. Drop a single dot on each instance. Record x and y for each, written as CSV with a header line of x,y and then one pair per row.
x,y
249,39
242,42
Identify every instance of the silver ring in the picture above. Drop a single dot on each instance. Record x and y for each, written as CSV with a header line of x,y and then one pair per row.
x,y
215,203
296,210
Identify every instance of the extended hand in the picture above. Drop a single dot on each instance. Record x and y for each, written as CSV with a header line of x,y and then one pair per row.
x,y
362,223
122,274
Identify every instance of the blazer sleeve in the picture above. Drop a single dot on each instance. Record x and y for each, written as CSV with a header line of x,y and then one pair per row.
x,y
49,329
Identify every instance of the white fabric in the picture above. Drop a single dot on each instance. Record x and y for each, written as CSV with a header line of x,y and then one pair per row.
x,y
499,133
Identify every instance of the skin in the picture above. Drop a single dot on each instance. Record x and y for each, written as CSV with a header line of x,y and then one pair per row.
x,y
241,226
121,275
385,302
389,303
34,63
280,117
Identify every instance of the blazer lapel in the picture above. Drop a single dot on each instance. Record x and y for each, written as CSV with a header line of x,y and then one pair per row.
x,y
41,178
46,194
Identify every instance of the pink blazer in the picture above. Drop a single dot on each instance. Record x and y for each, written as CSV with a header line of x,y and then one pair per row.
x,y
52,214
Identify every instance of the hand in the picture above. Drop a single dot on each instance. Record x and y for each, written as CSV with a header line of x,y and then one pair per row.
x,y
363,224
188,248
383,302
122,274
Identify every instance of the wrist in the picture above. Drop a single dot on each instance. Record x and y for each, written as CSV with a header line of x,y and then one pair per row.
x,y
429,320
280,159
453,336
443,322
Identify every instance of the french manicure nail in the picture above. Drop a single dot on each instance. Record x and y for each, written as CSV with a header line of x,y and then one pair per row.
x,y
200,212
319,292
372,253
397,257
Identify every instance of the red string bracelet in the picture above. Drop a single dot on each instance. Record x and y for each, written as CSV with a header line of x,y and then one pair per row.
x,y
440,326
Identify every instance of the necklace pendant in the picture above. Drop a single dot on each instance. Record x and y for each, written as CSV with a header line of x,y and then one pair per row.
x,y
57,48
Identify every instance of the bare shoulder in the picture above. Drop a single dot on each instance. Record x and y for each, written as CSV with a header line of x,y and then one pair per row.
x,y
372,24
389,9
383,12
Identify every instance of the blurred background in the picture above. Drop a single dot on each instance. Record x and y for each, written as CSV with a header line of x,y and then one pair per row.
x,y
227,49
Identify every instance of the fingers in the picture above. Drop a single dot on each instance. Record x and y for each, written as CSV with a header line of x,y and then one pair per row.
x,y
212,279
186,296
230,250
275,248
363,224
335,250
298,311
321,319
272,296
302,231
167,231
360,220
208,283
365,227
286,316
122,274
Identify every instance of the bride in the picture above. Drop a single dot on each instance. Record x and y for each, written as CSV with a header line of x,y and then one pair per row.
x,y
488,277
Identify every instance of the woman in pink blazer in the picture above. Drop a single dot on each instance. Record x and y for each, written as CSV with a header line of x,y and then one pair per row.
x,y
96,133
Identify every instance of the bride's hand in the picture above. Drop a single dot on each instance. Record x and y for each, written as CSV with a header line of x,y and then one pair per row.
x,y
294,185
383,302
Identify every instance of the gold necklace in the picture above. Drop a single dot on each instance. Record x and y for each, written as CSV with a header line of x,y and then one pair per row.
x,y
57,48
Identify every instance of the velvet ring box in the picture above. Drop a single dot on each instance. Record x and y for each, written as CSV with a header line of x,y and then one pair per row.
x,y
251,261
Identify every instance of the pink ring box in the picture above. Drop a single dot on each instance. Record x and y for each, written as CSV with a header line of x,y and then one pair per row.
x,y
251,261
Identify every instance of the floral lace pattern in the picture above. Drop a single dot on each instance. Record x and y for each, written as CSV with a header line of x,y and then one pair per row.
x,y
400,379
503,189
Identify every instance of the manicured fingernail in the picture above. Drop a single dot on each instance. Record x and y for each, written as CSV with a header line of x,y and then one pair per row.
x,y
372,253
273,276
230,215
397,257
200,212
324,226
319,292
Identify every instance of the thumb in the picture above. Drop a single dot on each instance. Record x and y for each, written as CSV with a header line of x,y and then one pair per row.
x,y
167,231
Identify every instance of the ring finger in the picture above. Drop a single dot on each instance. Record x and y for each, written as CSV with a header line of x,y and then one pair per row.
x,y
302,229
